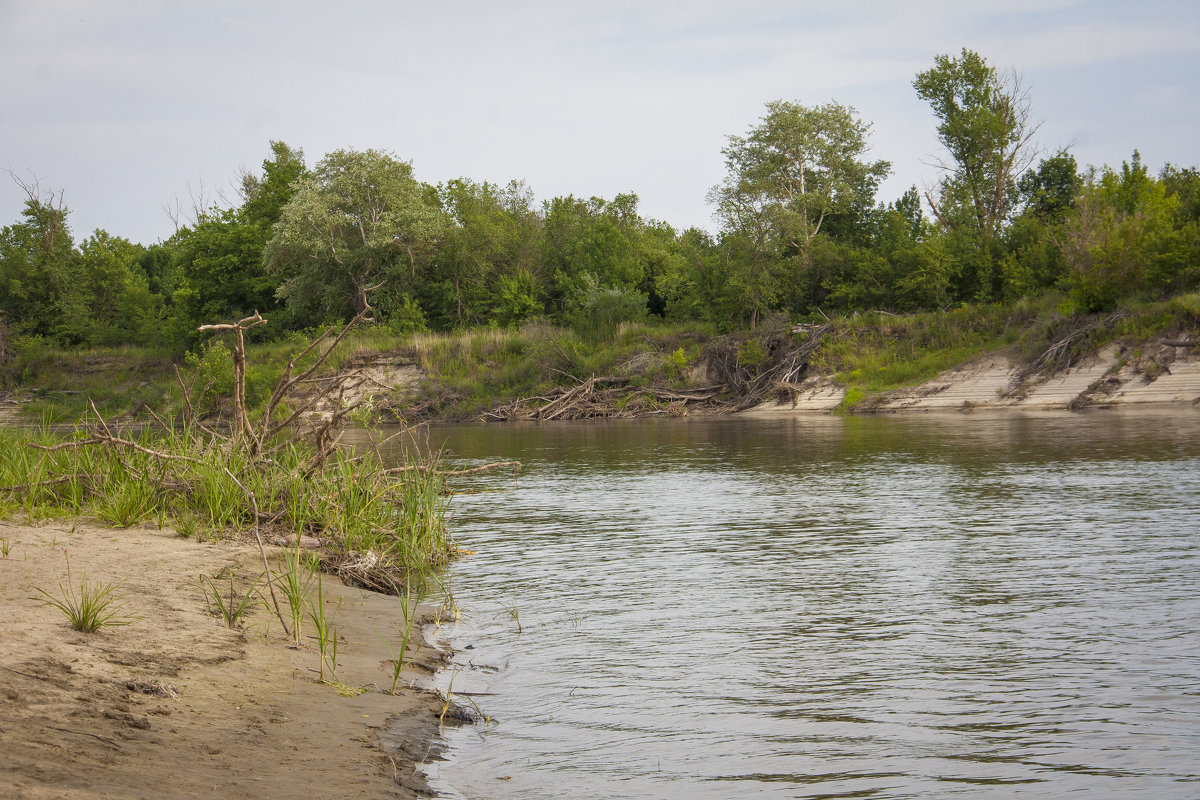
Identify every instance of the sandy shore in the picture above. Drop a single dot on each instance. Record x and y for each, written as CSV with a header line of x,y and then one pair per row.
x,y
175,704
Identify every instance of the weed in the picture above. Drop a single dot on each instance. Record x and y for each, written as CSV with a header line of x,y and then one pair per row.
x,y
461,713
515,613
397,661
230,609
95,607
6,547
327,642
448,696
294,588
449,608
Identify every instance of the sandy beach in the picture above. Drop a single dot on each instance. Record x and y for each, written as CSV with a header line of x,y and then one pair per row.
x,y
177,705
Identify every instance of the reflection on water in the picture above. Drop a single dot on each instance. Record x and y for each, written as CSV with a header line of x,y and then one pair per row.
x,y
917,607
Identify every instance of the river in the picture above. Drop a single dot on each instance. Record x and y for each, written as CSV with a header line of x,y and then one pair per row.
x,y
819,607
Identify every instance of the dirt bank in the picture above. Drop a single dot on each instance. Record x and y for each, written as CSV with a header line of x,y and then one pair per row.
x,y
175,704
1154,374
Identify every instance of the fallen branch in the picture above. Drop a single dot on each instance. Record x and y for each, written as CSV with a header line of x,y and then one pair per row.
x,y
262,550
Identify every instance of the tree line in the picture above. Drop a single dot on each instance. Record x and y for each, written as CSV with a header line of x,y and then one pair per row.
x,y
800,233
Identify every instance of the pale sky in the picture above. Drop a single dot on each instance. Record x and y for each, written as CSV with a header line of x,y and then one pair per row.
x,y
130,106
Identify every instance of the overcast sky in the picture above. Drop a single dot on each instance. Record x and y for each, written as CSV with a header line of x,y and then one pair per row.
x,y
128,107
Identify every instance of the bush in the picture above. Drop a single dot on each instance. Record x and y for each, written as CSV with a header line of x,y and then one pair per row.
x,y
600,310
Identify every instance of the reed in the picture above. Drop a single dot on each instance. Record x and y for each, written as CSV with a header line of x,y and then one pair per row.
x,y
355,502
294,588
406,632
326,633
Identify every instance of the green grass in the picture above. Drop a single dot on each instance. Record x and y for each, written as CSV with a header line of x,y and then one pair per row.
x,y
326,633
473,371
232,608
409,613
117,379
470,372
93,607
351,500
294,586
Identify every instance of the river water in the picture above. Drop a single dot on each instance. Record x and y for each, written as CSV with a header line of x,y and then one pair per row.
x,y
920,607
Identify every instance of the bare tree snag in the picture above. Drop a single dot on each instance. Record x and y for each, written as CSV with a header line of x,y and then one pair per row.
x,y
239,328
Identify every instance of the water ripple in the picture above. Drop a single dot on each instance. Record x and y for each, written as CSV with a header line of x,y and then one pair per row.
x,y
982,607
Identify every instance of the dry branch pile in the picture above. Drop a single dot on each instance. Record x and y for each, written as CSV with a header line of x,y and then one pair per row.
x,y
778,366
1064,352
735,384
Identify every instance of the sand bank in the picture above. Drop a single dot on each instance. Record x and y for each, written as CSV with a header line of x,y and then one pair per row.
x,y
175,704
1159,374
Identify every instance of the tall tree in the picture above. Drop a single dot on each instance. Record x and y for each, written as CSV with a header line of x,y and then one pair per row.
x,y
219,257
483,264
359,220
38,265
986,126
114,294
265,197
799,166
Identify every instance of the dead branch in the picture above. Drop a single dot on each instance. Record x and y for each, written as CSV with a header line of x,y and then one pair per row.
x,y
239,328
262,550
516,465
286,381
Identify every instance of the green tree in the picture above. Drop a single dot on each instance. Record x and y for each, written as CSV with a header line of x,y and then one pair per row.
x,y
1185,184
1033,259
114,295
483,269
799,166
358,222
264,197
39,269
590,243
1125,239
221,260
987,129
1049,191
217,271
691,283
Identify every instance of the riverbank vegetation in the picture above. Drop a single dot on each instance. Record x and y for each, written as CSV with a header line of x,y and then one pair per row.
x,y
273,469
497,297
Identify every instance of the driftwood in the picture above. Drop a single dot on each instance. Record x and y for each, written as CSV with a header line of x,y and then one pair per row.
x,y
1064,351
516,465
737,385
783,364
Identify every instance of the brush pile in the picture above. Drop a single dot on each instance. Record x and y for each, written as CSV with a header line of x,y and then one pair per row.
x,y
740,372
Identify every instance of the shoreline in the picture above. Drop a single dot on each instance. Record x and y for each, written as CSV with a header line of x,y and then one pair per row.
x,y
176,705
1167,378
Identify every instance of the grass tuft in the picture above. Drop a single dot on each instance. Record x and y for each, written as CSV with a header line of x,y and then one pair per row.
x,y
233,607
95,606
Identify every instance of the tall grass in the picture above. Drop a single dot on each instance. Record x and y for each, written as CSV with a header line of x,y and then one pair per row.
x,y
353,501
872,353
